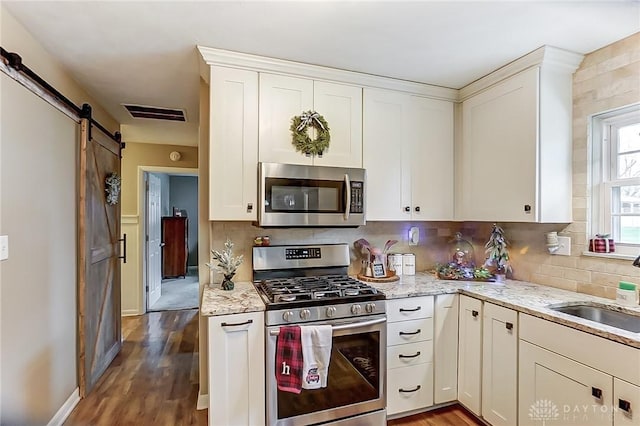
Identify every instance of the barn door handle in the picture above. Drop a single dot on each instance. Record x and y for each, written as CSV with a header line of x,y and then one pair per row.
x,y
124,249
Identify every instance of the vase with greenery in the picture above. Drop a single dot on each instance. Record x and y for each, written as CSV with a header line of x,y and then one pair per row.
x,y
497,253
227,264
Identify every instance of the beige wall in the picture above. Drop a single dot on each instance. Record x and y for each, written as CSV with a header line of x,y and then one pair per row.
x,y
146,154
38,213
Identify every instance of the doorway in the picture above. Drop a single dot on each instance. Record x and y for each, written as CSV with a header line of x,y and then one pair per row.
x,y
170,222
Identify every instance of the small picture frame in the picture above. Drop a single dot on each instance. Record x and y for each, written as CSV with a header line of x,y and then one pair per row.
x,y
378,270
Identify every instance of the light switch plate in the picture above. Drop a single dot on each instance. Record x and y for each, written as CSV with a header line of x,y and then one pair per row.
x,y
414,236
4,247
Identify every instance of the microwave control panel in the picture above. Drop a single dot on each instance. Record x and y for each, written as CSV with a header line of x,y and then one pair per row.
x,y
303,253
357,197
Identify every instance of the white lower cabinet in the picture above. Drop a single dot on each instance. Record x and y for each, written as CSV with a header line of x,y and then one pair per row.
x,y
561,391
499,365
236,370
626,403
470,354
409,354
445,352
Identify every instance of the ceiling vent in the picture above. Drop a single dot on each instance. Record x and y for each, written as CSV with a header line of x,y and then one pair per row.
x,y
155,113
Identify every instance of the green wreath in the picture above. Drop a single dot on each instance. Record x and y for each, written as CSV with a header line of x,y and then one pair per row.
x,y
301,139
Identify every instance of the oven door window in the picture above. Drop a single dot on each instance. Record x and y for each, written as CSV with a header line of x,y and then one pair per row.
x,y
354,377
304,196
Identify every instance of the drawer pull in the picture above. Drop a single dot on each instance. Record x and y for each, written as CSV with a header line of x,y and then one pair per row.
x,y
624,405
409,356
596,392
417,388
237,324
509,326
474,313
406,333
411,310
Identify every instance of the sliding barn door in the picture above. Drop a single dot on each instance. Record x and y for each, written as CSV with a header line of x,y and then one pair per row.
x,y
99,333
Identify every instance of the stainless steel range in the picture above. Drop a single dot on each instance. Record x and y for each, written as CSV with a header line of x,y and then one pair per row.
x,y
309,285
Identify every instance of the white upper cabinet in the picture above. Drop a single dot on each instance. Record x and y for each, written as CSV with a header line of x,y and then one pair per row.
x,y
281,99
408,154
284,97
514,161
233,147
341,106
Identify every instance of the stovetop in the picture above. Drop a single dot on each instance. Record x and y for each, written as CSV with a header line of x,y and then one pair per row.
x,y
298,292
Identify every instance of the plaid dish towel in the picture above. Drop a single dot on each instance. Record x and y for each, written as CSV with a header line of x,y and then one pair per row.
x,y
289,359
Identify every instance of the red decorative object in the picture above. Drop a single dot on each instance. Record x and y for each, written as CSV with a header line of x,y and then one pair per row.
x,y
602,245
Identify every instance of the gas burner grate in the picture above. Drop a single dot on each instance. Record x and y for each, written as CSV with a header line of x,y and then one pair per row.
x,y
314,288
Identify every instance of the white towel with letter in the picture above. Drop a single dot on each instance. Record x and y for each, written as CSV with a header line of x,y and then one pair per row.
x,y
316,354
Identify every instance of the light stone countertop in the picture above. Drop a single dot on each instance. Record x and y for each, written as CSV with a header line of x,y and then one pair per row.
x,y
243,298
521,296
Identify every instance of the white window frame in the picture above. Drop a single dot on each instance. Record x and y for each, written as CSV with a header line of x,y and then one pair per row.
x,y
603,172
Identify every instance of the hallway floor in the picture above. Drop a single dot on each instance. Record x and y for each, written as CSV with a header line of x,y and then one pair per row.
x,y
154,379
179,293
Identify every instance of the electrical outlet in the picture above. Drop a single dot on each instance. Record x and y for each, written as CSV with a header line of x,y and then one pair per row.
x,y
564,248
414,236
4,247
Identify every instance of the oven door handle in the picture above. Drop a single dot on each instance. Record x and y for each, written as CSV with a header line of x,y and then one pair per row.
x,y
347,187
345,326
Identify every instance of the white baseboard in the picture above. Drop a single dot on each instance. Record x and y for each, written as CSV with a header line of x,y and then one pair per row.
x,y
130,312
203,402
66,409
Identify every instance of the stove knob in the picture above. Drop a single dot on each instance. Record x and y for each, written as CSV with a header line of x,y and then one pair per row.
x,y
371,307
305,314
287,316
356,309
331,311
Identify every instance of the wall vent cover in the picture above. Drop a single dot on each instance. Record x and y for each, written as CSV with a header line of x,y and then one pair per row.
x,y
155,113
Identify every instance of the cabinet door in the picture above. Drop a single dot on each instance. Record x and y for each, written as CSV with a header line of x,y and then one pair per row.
x,y
561,391
626,403
236,370
470,353
341,106
499,365
446,348
430,148
281,99
233,149
388,180
498,155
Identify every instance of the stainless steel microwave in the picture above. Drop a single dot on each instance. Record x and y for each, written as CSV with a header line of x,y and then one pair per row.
x,y
300,196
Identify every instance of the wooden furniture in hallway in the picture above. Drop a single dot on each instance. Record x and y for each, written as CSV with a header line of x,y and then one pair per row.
x,y
175,249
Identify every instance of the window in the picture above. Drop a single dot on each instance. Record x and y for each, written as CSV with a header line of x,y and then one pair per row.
x,y
615,177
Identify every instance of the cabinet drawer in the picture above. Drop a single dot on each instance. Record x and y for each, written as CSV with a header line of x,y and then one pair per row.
x,y
409,308
409,388
626,403
409,331
410,354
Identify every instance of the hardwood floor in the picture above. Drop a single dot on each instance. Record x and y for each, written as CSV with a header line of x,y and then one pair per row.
x,y
154,380
448,416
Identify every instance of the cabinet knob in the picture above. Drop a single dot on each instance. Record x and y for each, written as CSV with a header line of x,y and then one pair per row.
x,y
407,209
624,405
596,392
249,207
509,326
417,208
474,313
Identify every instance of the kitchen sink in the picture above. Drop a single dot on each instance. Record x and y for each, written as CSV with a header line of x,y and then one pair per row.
x,y
602,315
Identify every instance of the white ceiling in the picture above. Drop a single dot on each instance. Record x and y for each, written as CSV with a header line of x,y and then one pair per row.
x,y
144,52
